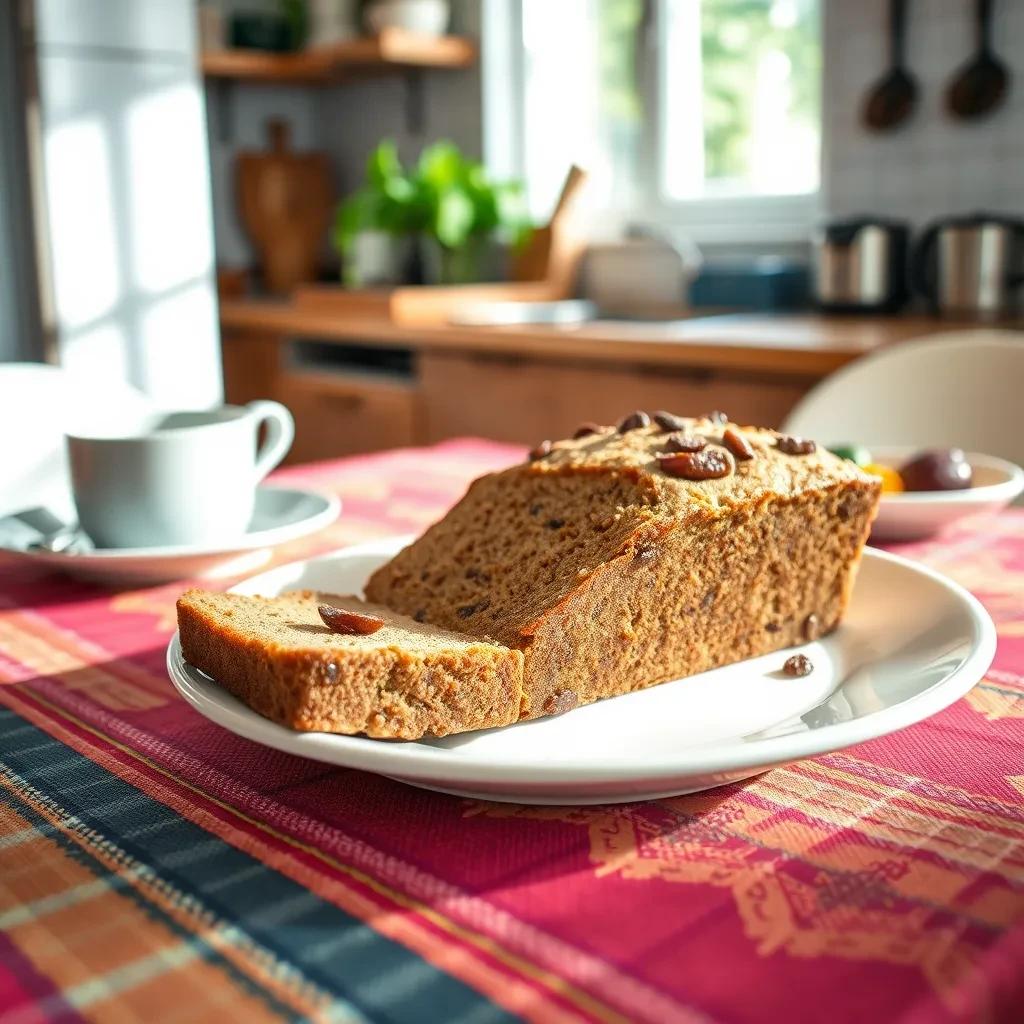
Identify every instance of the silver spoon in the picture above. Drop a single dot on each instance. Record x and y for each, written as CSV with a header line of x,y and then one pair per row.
x,y
56,536
65,541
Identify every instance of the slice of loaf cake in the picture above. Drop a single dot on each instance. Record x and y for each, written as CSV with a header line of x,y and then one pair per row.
x,y
619,559
635,554
403,680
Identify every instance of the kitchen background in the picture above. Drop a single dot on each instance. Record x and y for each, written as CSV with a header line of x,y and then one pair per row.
x,y
122,139
933,165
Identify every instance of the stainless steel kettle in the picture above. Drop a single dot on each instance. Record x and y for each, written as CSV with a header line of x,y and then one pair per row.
x,y
970,266
860,265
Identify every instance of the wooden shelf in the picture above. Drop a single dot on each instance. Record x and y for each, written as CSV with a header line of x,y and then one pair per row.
x,y
391,49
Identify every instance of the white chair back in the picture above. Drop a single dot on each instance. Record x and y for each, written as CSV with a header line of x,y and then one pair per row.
x,y
963,389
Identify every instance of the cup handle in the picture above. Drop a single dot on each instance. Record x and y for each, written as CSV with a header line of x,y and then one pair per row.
x,y
280,434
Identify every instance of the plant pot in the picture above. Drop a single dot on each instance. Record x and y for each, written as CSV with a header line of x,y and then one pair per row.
x,y
377,258
421,17
332,21
482,258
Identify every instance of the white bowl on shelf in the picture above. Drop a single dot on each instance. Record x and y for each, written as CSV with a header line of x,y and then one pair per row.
x,y
914,515
421,17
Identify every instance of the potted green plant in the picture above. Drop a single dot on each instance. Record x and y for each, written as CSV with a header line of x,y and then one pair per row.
x,y
472,222
374,227
466,224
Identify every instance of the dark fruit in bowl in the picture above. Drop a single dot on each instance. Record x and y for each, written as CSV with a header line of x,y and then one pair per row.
x,y
945,469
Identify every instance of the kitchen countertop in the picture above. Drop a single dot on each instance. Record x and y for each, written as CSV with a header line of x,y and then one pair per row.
x,y
802,344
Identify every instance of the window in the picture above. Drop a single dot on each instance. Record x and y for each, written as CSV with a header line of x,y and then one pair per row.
x,y
699,113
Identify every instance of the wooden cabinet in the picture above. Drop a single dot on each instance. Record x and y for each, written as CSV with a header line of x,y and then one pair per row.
x,y
352,392
252,366
523,400
347,414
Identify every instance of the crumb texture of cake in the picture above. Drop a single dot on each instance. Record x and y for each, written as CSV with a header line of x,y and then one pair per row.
x,y
608,563
403,681
617,560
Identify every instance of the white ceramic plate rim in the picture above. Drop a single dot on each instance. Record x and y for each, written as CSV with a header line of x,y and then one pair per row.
x,y
247,542
413,761
1003,492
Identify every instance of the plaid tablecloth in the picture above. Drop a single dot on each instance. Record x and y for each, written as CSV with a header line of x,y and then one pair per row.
x,y
154,867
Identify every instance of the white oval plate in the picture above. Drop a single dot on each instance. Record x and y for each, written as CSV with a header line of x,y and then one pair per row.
x,y
919,514
911,644
281,514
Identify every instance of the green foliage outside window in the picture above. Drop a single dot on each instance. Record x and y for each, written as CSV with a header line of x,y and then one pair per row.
x,y
735,35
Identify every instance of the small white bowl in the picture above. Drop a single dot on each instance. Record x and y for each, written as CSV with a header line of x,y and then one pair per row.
x,y
421,17
913,515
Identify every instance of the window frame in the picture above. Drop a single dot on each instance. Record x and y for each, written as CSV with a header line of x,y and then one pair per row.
x,y
732,220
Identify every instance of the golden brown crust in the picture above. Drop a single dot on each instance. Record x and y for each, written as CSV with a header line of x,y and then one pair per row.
x,y
598,565
586,573
403,681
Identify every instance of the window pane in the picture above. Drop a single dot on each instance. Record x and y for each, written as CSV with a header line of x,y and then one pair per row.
x,y
742,98
581,102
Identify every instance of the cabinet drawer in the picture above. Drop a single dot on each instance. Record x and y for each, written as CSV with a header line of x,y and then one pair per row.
x,y
524,401
345,415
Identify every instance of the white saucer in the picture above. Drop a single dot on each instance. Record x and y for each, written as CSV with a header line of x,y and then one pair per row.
x,y
917,514
911,644
282,514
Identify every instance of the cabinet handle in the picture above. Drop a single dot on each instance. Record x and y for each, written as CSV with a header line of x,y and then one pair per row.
x,y
346,401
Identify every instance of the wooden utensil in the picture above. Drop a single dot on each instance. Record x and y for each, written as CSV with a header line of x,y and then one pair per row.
x,y
893,97
981,85
553,251
286,201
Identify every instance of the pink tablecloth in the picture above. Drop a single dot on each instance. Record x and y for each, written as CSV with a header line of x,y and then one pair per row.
x,y
154,867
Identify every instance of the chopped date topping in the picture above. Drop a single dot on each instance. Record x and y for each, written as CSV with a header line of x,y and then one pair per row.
x,y
795,445
772,627
543,449
471,609
709,464
646,551
681,442
634,421
798,665
586,429
555,524
846,509
669,420
349,623
560,702
421,615
737,443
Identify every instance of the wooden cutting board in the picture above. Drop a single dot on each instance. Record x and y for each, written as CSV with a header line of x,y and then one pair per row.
x,y
286,200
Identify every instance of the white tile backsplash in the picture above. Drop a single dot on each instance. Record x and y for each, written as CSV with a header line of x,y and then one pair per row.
x,y
932,166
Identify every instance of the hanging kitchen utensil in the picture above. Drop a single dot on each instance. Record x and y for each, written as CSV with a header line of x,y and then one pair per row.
x,y
893,97
981,85
286,200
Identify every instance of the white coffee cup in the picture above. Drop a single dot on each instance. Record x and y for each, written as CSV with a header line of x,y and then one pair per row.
x,y
180,478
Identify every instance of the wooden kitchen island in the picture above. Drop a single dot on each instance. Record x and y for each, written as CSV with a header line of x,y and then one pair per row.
x,y
365,383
